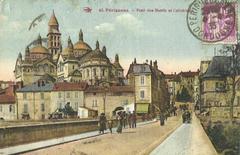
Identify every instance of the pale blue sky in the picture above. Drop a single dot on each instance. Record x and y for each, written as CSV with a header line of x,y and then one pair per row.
x,y
161,36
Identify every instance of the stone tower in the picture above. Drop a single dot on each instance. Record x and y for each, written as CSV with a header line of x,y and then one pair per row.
x,y
54,37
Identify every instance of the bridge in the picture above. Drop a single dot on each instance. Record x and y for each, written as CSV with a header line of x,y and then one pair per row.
x,y
148,138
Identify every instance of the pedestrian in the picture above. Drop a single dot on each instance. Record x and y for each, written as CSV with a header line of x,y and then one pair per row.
x,y
102,123
134,120
130,120
161,118
120,122
124,115
110,125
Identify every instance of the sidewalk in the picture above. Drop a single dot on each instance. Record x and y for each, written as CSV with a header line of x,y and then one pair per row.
x,y
140,140
188,139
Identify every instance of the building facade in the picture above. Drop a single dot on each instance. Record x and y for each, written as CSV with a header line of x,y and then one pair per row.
x,y
151,94
216,90
76,62
8,109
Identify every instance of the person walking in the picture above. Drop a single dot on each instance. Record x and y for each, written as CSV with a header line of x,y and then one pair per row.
x,y
110,125
120,122
161,118
134,120
124,119
130,120
102,123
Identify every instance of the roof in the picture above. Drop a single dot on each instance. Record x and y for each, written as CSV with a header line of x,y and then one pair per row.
x,y
67,86
39,49
117,65
7,99
81,45
53,20
96,54
189,74
219,67
139,68
37,87
114,89
7,95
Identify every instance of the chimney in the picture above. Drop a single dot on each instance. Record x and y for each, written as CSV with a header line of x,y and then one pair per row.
x,y
135,61
155,64
150,62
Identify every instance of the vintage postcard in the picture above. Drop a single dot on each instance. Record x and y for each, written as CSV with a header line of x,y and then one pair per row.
x,y
120,77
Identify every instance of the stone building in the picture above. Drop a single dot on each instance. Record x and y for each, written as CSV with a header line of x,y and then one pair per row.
x,y
8,109
151,94
34,100
216,89
107,99
77,62
67,93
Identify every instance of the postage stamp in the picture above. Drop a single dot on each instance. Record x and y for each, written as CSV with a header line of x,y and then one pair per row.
x,y
213,22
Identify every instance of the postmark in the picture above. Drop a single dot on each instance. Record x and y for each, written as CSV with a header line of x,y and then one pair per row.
x,y
213,21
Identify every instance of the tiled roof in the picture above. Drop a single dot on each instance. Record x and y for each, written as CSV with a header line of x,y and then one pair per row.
x,y
37,87
114,89
219,67
67,86
8,95
7,99
189,74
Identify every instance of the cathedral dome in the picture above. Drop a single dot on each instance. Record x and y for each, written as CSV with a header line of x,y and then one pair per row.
x,y
80,45
39,49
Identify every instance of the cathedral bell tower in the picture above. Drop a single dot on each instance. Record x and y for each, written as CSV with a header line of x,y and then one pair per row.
x,y
54,37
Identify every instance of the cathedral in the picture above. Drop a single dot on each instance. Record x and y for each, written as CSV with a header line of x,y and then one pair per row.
x,y
74,63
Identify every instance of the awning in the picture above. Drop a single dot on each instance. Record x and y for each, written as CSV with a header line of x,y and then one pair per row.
x,y
142,107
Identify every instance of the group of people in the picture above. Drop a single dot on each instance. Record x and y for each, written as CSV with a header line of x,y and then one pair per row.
x,y
123,119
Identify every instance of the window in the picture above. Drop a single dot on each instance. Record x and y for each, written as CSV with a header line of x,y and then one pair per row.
x,y
24,96
1,108
103,72
25,108
68,94
59,94
10,108
42,96
142,80
142,94
87,73
94,103
42,107
94,72
73,67
76,94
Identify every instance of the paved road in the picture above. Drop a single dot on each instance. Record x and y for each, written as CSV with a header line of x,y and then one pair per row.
x,y
188,139
178,143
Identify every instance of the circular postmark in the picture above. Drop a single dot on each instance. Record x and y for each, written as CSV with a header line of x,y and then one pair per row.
x,y
212,21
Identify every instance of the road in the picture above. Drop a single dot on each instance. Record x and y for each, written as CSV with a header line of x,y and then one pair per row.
x,y
188,139
178,143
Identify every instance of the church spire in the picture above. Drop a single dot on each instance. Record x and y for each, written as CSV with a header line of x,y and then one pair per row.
x,y
70,45
39,40
104,50
53,20
80,35
97,45
116,58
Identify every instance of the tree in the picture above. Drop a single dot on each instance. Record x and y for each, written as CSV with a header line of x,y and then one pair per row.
x,y
234,52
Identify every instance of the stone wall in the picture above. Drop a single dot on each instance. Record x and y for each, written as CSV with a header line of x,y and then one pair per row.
x,y
16,135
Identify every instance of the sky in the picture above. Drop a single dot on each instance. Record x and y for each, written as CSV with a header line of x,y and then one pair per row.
x,y
161,36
